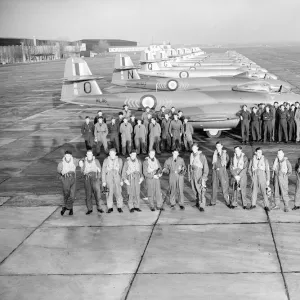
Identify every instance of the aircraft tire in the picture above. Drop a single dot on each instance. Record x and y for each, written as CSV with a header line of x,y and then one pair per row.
x,y
184,74
172,85
214,133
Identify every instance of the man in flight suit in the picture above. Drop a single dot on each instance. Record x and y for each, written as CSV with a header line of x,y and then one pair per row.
x,y
238,169
67,171
87,131
111,178
154,135
219,174
126,131
101,132
175,167
140,137
91,170
198,172
175,130
132,176
260,174
282,169
152,172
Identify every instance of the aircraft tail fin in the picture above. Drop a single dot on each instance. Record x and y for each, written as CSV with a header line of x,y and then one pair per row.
x,y
124,69
78,80
148,63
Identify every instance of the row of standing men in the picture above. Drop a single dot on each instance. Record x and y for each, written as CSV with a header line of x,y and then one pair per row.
x,y
274,123
162,131
114,173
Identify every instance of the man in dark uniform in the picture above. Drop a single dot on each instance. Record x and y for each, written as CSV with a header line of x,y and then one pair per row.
x,y
255,125
161,114
275,110
291,124
87,131
180,116
245,120
261,109
166,139
282,126
267,118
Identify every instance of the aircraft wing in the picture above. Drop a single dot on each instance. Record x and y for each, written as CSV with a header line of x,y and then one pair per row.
x,y
80,78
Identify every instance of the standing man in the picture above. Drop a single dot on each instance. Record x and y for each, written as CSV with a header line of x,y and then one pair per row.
x,y
175,167
297,121
140,137
198,172
282,127
172,113
126,112
245,120
133,122
91,169
145,114
188,132
267,118
161,115
291,123
297,192
87,131
152,171
99,115
219,174
154,136
126,131
111,178
180,116
165,134
274,112
255,125
101,132
282,169
67,171
132,176
176,130
238,169
261,109
114,130
259,171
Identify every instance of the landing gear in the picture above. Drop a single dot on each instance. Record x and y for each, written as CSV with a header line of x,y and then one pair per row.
x,y
213,133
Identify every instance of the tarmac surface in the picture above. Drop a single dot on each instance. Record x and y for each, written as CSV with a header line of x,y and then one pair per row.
x,y
173,254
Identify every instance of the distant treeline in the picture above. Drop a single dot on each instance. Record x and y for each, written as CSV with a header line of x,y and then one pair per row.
x,y
29,53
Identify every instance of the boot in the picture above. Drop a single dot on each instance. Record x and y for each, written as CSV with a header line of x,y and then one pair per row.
x,y
71,212
132,210
63,211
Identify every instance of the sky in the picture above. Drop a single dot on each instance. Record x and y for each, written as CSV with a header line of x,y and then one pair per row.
x,y
175,21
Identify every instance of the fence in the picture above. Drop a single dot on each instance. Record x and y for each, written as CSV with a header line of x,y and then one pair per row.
x,y
16,54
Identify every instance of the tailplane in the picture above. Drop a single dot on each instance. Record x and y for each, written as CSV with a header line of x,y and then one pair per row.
x,y
78,80
124,69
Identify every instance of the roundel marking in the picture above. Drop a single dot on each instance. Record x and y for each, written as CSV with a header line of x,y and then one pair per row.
x,y
87,87
172,85
150,66
148,100
184,74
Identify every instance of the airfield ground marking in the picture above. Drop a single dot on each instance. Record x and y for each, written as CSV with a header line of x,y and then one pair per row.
x,y
34,230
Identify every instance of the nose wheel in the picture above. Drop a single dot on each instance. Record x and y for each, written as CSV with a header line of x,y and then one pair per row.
x,y
213,133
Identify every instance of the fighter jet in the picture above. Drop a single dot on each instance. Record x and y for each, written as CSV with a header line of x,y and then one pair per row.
x,y
214,111
125,74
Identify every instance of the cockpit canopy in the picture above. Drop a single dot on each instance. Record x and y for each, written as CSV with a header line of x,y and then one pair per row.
x,y
257,75
259,87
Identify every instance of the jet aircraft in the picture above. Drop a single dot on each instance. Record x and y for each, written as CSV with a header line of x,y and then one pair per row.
x,y
213,111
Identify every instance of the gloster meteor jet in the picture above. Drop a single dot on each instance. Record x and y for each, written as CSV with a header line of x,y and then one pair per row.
x,y
213,111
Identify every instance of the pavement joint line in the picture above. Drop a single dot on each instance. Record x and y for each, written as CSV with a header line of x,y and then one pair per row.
x,y
143,254
146,273
278,257
29,235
